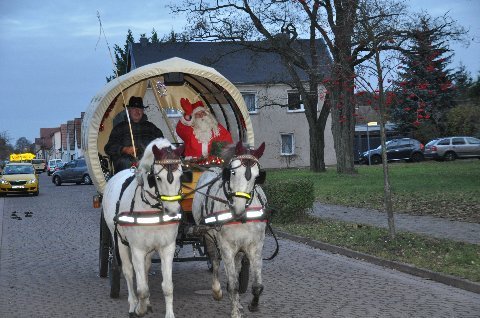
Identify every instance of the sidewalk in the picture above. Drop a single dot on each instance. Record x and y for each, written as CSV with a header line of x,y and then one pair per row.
x,y
426,225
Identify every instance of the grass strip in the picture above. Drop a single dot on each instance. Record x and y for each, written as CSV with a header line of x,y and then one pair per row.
x,y
438,255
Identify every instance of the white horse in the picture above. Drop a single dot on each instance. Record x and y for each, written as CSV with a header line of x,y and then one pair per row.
x,y
230,200
144,213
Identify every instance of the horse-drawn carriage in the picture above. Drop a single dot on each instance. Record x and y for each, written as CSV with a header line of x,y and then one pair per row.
x,y
162,85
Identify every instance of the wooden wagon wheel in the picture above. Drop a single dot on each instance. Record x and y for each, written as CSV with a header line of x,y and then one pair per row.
x,y
113,273
103,250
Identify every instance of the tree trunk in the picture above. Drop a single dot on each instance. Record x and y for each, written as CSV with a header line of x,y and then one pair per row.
x,y
317,148
387,191
343,125
316,128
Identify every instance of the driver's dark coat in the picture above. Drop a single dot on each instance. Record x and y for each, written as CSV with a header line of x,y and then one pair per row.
x,y
143,133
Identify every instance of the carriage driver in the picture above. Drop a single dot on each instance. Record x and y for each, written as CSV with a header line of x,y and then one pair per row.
x,y
198,129
119,146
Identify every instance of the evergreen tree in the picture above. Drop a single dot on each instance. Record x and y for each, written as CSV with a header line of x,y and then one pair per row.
x,y
121,57
424,89
154,38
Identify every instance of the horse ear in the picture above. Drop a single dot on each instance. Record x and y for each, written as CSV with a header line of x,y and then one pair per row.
x,y
179,151
158,153
240,149
259,151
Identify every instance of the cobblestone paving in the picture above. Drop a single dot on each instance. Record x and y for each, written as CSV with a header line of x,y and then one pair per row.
x,y
49,268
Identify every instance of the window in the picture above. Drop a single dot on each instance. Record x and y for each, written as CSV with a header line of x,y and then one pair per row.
x,y
173,112
250,101
295,102
473,141
458,141
444,142
288,145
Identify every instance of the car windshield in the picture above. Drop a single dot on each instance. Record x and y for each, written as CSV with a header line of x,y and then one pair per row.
x,y
18,170
386,144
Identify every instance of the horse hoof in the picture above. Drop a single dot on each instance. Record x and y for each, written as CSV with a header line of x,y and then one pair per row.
x,y
217,296
136,315
253,308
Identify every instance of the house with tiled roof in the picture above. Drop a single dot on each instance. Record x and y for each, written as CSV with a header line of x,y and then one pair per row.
x,y
275,109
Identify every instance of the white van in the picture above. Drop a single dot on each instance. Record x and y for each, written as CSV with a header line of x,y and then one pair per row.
x,y
53,164
39,165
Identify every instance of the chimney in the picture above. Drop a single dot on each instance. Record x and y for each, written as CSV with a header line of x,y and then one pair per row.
x,y
143,41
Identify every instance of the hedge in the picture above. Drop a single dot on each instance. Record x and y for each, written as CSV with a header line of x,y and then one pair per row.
x,y
289,198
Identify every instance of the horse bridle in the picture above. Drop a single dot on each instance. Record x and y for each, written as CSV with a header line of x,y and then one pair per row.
x,y
170,165
247,161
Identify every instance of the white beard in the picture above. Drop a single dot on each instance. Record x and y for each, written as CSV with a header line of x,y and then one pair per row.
x,y
205,128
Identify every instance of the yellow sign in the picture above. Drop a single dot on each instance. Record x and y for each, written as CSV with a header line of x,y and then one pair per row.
x,y
22,156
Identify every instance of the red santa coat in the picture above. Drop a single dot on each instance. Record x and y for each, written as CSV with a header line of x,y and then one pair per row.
x,y
194,148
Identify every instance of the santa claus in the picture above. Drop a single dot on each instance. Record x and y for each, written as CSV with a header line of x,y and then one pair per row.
x,y
198,129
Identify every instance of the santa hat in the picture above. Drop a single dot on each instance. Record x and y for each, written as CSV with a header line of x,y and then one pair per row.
x,y
198,107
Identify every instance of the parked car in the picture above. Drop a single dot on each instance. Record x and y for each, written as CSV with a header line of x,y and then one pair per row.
x,y
75,171
53,164
397,149
451,148
19,178
39,165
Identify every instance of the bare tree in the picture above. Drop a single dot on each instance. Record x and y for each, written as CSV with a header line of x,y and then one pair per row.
x,y
277,27
372,76
5,146
24,145
274,26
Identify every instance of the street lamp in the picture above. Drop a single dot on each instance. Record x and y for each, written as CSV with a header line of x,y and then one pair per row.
x,y
370,123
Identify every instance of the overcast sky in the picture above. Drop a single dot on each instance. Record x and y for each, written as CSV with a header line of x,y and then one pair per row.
x,y
51,64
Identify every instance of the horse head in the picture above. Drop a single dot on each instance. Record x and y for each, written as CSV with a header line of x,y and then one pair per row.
x,y
240,176
160,170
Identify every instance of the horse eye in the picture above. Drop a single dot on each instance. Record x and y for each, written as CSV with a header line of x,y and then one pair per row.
x,y
233,172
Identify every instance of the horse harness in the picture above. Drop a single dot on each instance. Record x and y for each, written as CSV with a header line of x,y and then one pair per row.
x,y
157,216
219,218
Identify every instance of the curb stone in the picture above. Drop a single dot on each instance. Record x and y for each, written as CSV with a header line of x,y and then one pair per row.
x,y
402,267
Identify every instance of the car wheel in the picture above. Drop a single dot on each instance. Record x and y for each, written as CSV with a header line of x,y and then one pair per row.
x,y
36,193
57,181
375,160
417,157
86,179
449,156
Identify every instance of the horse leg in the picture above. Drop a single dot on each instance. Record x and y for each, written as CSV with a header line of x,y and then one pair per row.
x,y
238,262
255,258
127,270
215,258
148,265
166,256
232,285
143,294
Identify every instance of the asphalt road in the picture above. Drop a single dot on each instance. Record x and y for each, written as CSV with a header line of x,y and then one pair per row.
x,y
49,268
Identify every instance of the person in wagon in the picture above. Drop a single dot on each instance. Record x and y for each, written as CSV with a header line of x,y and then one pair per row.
x,y
199,129
119,146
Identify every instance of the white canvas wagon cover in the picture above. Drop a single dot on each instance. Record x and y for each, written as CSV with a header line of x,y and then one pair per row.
x,y
162,84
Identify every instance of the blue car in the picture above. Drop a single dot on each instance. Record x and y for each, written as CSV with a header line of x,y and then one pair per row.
x,y
407,149
75,171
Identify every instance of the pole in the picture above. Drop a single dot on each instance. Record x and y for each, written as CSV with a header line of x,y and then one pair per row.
x,y
368,147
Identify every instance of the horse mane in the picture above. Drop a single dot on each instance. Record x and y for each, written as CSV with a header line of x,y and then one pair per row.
x,y
148,157
228,152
